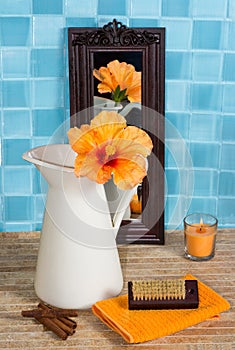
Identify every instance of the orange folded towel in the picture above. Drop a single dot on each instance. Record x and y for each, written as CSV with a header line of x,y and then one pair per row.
x,y
144,325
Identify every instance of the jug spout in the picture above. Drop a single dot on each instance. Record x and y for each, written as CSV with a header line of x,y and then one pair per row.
x,y
120,206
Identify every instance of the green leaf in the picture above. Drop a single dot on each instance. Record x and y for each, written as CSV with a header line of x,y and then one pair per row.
x,y
119,95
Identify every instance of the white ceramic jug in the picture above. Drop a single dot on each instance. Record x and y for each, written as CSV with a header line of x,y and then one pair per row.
x,y
78,262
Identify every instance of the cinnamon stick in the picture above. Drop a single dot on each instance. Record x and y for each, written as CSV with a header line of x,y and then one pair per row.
x,y
52,326
63,326
70,323
49,313
59,312
55,320
64,323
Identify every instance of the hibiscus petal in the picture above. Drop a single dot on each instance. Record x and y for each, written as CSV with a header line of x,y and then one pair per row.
x,y
107,125
95,171
73,135
122,72
104,174
108,117
78,164
140,140
134,88
105,76
129,173
104,88
84,143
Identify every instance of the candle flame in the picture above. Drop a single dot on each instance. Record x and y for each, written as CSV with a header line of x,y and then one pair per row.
x,y
201,222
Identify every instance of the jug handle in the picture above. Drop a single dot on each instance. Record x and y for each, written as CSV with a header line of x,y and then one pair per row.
x,y
129,107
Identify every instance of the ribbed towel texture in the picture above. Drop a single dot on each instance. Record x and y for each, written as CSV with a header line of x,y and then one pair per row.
x,y
137,326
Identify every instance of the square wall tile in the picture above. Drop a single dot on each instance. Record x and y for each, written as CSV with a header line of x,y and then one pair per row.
x,y
209,8
48,7
1,94
228,157
118,8
147,8
16,123
37,226
206,97
205,183
228,98
9,67
227,184
205,127
206,66
230,44
176,182
16,93
45,121
178,65
40,141
48,31
13,150
143,22
18,208
203,205
205,155
17,181
172,8
231,9
172,182
226,214
1,216
228,130
15,31
39,207
178,33
175,212
47,63
18,226
207,35
174,154
1,190
81,22
48,93
177,125
40,185
15,7
177,96
228,69
82,8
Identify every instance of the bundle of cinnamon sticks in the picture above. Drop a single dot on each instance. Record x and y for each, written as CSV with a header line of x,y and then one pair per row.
x,y
54,319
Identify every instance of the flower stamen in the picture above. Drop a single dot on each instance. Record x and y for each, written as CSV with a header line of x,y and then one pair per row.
x,y
110,150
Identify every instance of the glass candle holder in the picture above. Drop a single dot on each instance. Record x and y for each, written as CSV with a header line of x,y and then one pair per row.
x,y
200,236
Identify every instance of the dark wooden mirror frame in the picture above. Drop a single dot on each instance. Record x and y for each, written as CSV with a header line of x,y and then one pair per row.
x,y
83,43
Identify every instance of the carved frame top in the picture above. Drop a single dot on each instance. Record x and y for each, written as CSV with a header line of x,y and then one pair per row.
x,y
116,34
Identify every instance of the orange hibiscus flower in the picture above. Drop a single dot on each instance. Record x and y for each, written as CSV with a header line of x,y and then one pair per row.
x,y
121,80
108,147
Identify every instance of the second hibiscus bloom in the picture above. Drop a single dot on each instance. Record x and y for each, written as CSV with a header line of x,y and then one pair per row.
x,y
121,80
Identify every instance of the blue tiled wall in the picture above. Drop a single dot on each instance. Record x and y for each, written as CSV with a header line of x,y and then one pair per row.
x,y
200,90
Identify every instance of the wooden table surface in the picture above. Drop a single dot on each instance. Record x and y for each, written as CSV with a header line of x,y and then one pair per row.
x,y
18,254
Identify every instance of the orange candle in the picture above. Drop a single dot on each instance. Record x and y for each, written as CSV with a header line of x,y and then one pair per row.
x,y
200,239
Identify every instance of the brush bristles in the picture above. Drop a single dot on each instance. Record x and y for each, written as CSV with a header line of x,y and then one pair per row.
x,y
158,289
